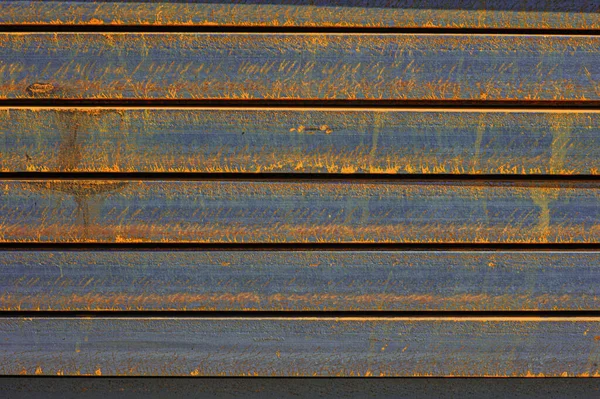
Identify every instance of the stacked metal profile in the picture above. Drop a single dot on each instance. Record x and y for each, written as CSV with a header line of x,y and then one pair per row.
x,y
289,188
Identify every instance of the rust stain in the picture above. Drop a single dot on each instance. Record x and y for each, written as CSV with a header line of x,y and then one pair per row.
x,y
87,195
69,154
561,140
38,89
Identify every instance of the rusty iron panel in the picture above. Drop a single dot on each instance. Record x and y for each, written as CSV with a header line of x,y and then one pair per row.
x,y
297,346
241,66
350,280
255,140
293,116
452,14
212,211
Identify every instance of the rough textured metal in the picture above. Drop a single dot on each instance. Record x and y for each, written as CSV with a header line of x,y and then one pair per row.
x,y
301,211
299,66
299,280
299,140
511,14
456,68
301,346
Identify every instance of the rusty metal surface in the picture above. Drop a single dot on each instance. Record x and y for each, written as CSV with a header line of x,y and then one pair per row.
x,y
296,346
140,90
299,211
299,280
255,140
505,14
244,66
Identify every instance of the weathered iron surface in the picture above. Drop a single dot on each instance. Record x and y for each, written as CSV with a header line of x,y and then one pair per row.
x,y
506,14
454,68
299,280
299,66
492,346
300,211
299,140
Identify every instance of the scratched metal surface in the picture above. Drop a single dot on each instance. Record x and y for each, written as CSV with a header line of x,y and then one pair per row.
x,y
298,388
299,211
299,66
299,280
299,140
300,346
505,14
